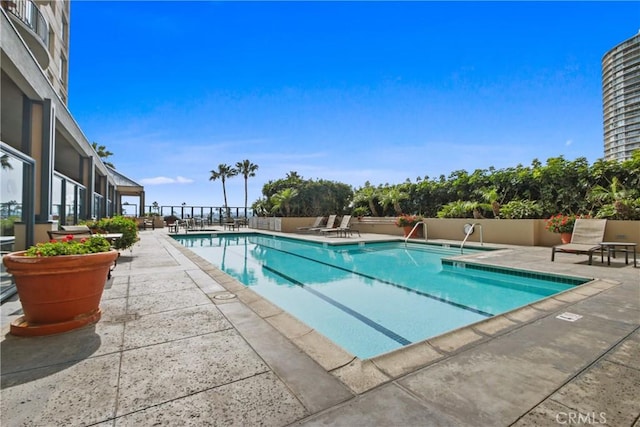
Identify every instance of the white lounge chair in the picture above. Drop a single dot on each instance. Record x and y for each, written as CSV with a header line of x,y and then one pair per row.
x,y
586,238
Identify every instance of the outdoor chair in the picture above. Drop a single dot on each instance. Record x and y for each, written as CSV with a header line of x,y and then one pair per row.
x,y
148,223
61,234
342,228
330,223
75,229
174,227
315,225
586,238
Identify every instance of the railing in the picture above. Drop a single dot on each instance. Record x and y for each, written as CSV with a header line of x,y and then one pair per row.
x,y
213,214
28,12
424,228
470,230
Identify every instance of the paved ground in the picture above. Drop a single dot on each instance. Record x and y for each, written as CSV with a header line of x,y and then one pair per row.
x,y
180,343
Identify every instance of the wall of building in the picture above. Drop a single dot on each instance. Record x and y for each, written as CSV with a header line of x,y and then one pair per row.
x,y
621,99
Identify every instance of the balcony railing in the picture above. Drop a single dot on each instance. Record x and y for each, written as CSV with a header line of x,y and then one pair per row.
x,y
27,12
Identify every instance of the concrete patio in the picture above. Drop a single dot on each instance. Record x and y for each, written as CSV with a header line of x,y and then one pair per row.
x,y
181,343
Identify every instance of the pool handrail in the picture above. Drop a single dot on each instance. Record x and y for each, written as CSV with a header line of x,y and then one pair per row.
x,y
469,233
424,228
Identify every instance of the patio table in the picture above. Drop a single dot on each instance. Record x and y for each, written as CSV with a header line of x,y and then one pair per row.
x,y
613,247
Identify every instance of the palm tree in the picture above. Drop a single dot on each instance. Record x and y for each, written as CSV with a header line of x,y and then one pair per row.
x,y
615,201
4,161
246,169
367,194
282,200
103,153
224,171
490,195
392,197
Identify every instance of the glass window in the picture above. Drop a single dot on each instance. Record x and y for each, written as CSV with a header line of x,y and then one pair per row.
x,y
11,191
56,199
70,203
96,211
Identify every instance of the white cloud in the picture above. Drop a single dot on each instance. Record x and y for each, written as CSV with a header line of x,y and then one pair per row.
x,y
161,180
568,142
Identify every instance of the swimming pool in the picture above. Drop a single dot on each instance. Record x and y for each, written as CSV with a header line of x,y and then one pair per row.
x,y
376,297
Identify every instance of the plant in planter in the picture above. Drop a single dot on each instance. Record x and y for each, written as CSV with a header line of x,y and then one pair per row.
x,y
408,222
60,283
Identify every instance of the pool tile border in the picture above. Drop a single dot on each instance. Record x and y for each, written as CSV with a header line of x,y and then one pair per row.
x,y
564,279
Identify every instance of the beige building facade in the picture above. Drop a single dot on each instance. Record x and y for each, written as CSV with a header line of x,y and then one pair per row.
x,y
50,173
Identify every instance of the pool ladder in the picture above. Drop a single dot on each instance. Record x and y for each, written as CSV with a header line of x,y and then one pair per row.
x,y
424,227
469,233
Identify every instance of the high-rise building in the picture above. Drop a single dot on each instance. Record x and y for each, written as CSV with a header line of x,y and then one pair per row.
x,y
621,99
50,173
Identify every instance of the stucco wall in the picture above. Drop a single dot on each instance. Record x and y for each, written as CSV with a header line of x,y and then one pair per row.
x,y
525,232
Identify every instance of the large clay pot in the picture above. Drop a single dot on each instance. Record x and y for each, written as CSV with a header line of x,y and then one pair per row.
x,y
565,238
58,293
407,229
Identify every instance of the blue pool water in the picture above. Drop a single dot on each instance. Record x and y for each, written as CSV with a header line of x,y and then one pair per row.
x,y
372,298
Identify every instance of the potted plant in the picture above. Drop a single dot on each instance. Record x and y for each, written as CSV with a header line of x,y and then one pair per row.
x,y
562,224
60,283
408,222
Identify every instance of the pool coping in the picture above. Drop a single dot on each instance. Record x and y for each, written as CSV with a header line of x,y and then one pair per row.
x,y
361,375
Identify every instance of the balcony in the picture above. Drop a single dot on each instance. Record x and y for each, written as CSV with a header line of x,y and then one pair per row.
x,y
32,26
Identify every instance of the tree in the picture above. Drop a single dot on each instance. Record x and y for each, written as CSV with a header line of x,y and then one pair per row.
x,y
282,200
4,161
224,171
615,201
247,170
368,195
103,153
392,196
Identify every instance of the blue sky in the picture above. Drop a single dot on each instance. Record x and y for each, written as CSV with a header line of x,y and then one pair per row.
x,y
344,91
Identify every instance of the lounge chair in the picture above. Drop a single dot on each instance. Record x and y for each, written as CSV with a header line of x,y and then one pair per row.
x,y
586,238
330,223
61,234
344,224
343,228
316,225
75,229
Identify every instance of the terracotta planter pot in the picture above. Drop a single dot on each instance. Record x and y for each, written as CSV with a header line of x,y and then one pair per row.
x,y
58,293
565,238
407,229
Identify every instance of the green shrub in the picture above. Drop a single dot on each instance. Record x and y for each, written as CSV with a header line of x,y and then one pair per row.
x,y
360,211
625,209
119,224
6,224
521,209
457,209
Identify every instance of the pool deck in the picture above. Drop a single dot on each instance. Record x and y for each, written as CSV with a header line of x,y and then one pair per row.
x,y
181,343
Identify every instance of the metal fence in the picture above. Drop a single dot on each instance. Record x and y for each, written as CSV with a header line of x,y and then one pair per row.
x,y
211,214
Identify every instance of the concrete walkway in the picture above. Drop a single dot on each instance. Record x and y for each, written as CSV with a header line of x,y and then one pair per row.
x,y
180,343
